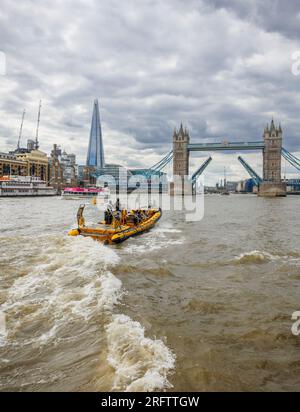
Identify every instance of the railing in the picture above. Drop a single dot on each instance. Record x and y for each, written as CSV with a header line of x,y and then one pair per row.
x,y
226,146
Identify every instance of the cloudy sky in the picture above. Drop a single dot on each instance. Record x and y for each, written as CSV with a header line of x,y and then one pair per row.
x,y
223,68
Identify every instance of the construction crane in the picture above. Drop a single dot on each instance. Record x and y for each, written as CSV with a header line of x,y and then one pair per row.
x,y
37,127
21,128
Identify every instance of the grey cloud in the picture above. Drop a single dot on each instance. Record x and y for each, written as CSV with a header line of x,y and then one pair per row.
x,y
271,15
221,67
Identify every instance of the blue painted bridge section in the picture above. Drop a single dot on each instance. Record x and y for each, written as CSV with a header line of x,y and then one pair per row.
x,y
221,146
226,146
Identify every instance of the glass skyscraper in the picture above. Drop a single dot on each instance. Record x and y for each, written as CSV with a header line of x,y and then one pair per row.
x,y
95,155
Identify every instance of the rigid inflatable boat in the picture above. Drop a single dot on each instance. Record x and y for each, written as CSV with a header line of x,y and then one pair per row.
x,y
121,225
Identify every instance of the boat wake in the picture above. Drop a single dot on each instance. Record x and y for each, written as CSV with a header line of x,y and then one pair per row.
x,y
140,363
72,282
155,240
58,302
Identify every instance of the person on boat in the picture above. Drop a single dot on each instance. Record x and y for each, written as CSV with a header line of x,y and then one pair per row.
x,y
116,219
106,217
139,214
118,205
110,206
134,217
130,218
108,214
123,216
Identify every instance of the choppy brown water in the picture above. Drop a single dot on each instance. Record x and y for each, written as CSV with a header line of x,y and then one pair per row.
x,y
188,306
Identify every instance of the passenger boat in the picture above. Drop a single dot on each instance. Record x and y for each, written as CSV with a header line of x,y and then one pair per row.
x,y
122,225
81,192
25,186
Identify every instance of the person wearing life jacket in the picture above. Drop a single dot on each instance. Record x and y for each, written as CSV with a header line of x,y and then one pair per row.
x,y
123,216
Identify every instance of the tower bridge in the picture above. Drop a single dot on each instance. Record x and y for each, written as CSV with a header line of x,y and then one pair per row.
x,y
270,184
271,146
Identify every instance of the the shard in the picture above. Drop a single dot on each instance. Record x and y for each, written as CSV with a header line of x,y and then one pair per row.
x,y
95,155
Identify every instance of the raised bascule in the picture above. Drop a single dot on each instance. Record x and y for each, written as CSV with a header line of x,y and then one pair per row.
x,y
271,146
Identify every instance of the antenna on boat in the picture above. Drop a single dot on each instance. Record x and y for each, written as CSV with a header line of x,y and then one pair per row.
x,y
37,127
21,128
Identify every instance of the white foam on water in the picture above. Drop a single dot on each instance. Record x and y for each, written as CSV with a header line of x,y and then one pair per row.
x,y
3,341
166,230
73,281
151,241
110,291
140,363
257,256
253,256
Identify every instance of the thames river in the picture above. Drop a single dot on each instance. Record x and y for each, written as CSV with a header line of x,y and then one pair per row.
x,y
197,306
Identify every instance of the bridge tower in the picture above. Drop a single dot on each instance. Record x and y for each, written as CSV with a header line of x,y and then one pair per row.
x,y
272,184
181,140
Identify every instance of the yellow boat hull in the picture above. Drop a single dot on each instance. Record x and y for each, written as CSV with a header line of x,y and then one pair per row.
x,y
108,234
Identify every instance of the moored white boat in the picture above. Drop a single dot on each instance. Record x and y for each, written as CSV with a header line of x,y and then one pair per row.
x,y
20,186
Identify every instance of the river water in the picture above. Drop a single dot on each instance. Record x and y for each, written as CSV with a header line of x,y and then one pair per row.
x,y
188,306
